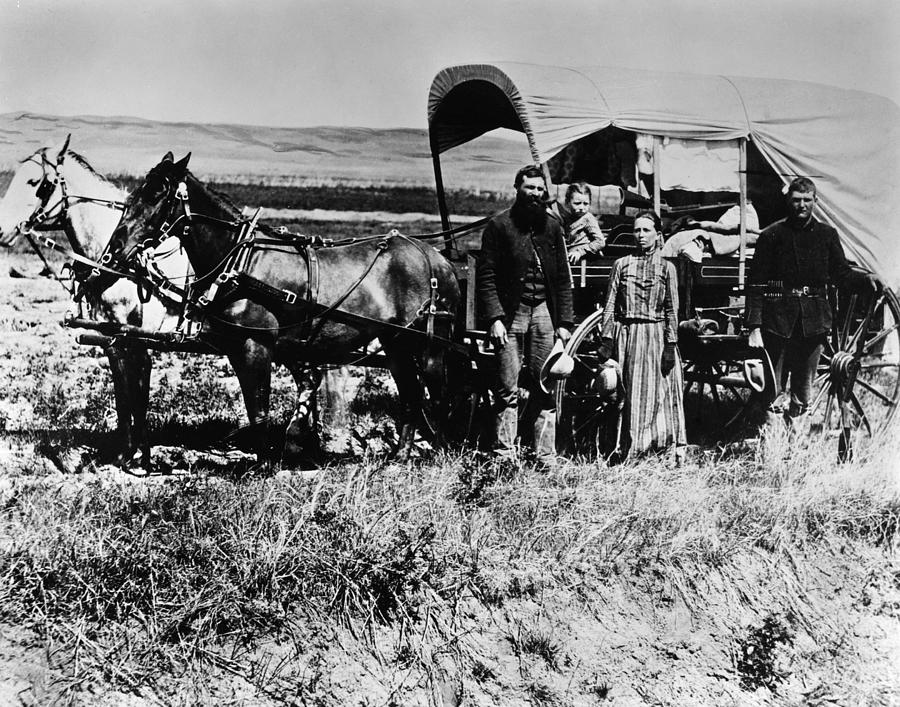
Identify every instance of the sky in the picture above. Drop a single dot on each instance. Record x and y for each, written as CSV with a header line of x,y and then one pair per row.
x,y
369,63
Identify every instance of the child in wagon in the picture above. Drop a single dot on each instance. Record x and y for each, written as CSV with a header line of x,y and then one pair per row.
x,y
580,226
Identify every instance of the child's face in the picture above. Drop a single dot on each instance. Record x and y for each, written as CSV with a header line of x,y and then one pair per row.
x,y
579,203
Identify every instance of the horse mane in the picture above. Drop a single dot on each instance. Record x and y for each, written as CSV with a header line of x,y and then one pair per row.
x,y
222,197
82,162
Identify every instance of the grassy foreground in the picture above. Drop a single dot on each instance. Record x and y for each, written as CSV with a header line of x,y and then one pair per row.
x,y
767,578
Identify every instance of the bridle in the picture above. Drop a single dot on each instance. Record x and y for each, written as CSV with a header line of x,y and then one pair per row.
x,y
139,263
137,254
54,215
47,216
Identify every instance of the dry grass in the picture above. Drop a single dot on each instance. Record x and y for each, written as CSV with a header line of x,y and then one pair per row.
x,y
145,581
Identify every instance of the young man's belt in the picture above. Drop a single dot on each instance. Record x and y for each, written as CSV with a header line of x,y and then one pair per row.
x,y
805,291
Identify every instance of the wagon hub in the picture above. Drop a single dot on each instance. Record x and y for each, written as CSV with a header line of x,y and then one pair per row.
x,y
844,367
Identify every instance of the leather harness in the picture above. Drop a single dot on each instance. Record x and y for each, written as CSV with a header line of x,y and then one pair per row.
x,y
232,280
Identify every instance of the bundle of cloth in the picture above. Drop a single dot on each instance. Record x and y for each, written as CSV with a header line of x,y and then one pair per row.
x,y
693,239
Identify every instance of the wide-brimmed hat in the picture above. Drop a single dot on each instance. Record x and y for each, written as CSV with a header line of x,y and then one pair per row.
x,y
758,371
558,365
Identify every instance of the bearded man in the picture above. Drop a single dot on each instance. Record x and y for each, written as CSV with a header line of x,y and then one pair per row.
x,y
524,293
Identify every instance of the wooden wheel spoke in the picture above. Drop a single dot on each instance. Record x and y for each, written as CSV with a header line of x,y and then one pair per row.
x,y
818,399
829,404
581,397
864,323
877,365
882,335
736,392
580,362
577,430
874,391
861,413
848,318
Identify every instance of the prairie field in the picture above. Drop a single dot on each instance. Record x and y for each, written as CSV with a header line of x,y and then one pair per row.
x,y
760,573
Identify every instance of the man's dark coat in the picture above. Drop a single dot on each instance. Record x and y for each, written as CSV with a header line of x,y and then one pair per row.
x,y
789,257
507,244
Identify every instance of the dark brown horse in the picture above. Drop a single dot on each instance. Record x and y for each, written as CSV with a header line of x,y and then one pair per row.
x,y
265,297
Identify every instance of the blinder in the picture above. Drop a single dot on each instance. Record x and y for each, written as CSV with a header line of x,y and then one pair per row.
x,y
45,190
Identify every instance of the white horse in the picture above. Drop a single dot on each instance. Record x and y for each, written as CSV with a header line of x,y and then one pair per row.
x,y
56,189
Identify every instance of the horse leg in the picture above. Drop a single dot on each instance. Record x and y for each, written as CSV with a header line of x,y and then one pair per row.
x,y
140,365
252,363
402,366
119,370
302,442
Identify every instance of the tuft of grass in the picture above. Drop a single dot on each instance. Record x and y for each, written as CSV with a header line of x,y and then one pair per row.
x,y
539,643
757,661
543,695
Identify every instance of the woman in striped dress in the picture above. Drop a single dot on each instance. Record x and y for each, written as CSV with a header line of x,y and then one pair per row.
x,y
640,330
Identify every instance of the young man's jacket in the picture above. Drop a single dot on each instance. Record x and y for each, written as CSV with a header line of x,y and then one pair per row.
x,y
790,270
507,246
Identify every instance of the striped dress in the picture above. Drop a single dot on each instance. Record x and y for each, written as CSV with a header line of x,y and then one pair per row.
x,y
641,317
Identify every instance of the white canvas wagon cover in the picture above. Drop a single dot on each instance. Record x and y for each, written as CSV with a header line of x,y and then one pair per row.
x,y
847,141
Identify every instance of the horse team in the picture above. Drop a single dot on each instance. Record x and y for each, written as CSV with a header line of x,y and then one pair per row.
x,y
255,294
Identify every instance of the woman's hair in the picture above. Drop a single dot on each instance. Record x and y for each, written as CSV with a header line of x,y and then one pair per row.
x,y
653,216
578,188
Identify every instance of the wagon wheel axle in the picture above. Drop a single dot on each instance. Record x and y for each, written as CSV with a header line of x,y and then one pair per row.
x,y
843,369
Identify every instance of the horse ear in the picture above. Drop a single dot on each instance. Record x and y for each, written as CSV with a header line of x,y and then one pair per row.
x,y
65,146
168,157
182,164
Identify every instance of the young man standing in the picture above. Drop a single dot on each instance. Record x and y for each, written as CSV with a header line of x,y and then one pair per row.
x,y
788,309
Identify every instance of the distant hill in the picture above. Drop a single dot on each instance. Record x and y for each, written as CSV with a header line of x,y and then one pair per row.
x,y
257,154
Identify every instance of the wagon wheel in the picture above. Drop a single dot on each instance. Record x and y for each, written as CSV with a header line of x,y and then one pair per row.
x,y
857,384
722,399
587,419
469,404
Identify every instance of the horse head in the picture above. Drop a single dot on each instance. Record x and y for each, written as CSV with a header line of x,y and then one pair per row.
x,y
35,198
155,210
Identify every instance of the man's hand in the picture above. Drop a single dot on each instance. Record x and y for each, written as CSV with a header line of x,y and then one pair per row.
x,y
563,334
755,341
874,286
668,359
499,337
